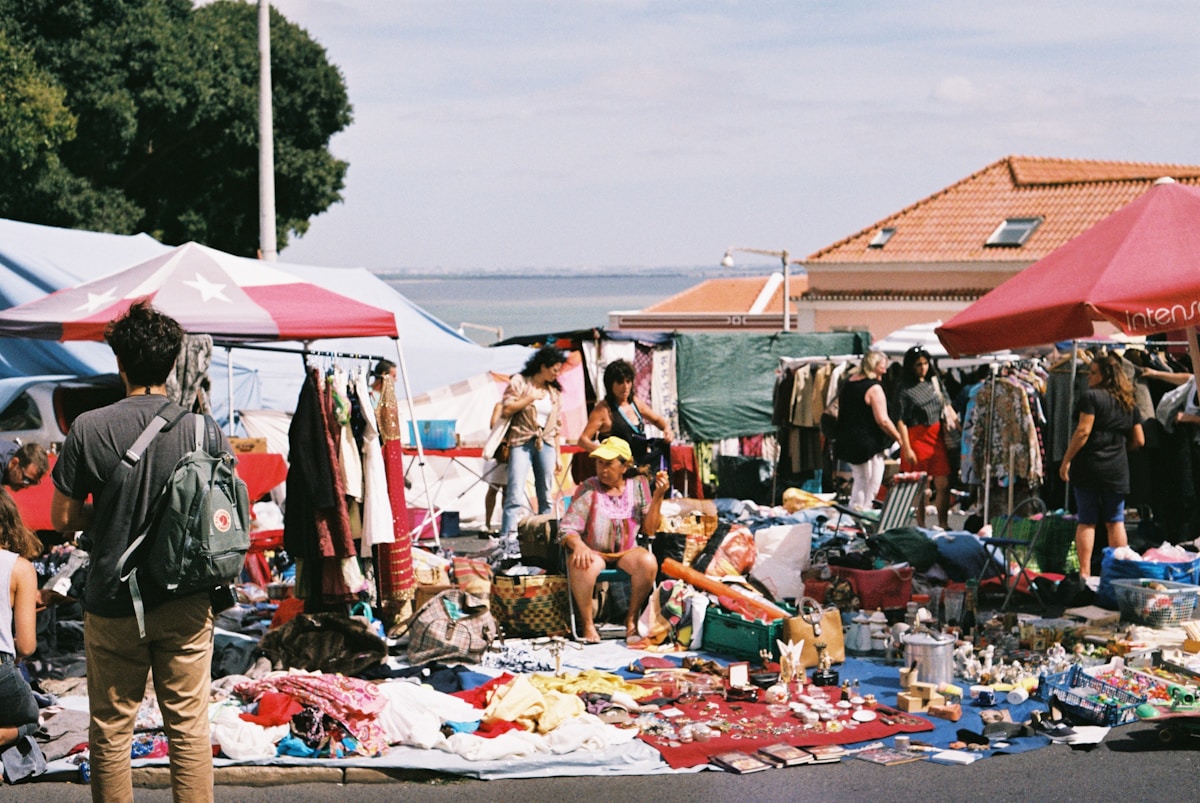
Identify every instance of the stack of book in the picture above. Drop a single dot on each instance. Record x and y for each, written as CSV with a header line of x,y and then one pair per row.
x,y
777,755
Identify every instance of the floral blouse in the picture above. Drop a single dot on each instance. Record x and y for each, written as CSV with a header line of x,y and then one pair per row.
x,y
607,523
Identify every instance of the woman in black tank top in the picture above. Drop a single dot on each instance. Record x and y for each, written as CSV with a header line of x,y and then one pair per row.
x,y
619,414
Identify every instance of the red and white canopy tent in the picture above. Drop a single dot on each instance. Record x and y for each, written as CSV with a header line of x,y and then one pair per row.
x,y
209,292
1138,268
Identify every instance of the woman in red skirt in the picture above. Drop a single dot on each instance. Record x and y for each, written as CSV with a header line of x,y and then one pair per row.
x,y
919,422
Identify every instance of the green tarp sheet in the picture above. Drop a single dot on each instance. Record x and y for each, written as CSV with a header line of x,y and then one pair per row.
x,y
726,381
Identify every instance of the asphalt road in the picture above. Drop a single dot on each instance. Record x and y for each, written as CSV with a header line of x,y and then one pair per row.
x,y
1130,764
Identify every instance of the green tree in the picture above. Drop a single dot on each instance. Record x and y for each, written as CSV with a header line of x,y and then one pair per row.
x,y
165,102
34,124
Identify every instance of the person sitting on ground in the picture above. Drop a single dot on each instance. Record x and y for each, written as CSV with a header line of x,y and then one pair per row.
x,y
18,622
24,464
600,529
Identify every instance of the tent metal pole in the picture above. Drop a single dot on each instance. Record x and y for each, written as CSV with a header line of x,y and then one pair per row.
x,y
1071,408
229,384
987,467
430,516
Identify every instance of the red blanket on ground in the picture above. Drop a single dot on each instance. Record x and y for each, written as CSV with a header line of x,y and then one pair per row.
x,y
758,728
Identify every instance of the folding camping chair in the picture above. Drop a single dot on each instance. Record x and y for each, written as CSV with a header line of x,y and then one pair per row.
x,y
606,630
897,510
1027,517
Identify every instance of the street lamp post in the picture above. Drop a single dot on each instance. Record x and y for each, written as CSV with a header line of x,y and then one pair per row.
x,y
727,262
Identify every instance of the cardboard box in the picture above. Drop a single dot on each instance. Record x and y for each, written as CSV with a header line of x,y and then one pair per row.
x,y
248,445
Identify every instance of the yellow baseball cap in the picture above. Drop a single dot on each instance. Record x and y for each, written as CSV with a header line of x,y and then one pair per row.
x,y
613,449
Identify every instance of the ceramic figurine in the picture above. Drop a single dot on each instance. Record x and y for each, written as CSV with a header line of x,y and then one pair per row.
x,y
791,660
989,653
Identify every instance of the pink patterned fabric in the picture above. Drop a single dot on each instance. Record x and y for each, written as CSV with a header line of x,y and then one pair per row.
x,y
351,701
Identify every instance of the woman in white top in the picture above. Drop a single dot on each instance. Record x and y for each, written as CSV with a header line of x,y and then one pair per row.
x,y
18,622
533,402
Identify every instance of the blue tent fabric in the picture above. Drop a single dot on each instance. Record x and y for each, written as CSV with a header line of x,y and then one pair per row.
x,y
37,260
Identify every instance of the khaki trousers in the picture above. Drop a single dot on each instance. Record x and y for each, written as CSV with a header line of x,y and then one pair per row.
x,y
178,650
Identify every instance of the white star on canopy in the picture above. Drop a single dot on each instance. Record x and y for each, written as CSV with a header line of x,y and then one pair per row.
x,y
208,290
96,300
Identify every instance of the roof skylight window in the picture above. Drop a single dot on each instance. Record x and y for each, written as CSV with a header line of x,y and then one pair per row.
x,y
1013,232
881,238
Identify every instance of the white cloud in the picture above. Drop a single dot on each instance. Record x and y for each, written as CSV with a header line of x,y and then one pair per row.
x,y
955,89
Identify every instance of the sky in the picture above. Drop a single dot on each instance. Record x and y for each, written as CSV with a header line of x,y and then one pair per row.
x,y
600,134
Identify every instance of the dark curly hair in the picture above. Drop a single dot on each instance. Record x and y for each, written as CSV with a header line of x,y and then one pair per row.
x,y
146,342
618,371
545,357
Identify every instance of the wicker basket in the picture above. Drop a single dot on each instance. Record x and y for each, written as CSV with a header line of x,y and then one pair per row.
x,y
1155,603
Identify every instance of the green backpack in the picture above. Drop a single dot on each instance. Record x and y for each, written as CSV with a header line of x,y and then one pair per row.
x,y
199,531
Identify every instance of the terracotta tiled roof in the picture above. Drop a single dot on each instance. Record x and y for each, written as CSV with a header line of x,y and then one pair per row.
x,y
952,225
727,295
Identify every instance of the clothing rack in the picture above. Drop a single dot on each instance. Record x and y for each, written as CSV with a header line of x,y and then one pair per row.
x,y
229,346
305,353
788,362
994,370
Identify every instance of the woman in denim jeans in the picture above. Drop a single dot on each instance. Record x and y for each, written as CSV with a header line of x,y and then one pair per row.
x,y
533,401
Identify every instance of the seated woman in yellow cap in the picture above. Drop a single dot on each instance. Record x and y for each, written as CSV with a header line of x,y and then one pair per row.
x,y
600,528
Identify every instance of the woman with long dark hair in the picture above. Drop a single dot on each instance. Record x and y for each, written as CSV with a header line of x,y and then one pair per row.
x,y
1096,462
920,424
533,402
620,414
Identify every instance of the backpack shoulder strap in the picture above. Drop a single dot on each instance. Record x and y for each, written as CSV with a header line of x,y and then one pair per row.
x,y
157,424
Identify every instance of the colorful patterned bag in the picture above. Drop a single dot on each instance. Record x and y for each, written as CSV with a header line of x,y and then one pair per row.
x,y
453,626
531,606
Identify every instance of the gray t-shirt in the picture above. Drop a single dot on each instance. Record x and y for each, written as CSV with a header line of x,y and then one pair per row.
x,y
90,455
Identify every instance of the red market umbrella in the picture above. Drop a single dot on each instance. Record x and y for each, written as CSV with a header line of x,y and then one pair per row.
x,y
1138,268
208,292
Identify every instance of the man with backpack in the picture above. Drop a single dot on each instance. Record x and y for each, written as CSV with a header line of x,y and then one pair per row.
x,y
178,641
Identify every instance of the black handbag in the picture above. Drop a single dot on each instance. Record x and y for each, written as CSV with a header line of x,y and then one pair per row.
x,y
652,452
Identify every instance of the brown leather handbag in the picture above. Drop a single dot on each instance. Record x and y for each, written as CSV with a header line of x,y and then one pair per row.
x,y
815,624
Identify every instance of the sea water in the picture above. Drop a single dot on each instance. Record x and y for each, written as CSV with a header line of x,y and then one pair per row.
x,y
527,304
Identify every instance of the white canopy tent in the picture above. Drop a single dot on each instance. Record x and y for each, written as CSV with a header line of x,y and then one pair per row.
x,y
922,334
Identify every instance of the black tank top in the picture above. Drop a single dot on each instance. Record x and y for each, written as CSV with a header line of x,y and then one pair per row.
x,y
622,428
859,438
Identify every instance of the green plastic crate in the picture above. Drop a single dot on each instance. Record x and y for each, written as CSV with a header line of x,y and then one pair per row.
x,y
727,633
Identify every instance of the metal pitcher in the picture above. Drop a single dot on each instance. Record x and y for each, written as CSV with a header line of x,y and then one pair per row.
x,y
932,654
